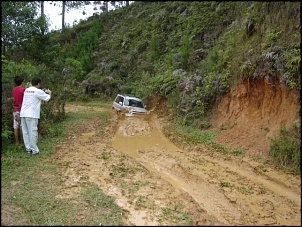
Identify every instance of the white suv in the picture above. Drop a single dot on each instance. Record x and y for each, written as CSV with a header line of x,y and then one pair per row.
x,y
129,103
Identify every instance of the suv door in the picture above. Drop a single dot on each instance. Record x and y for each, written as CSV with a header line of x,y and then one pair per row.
x,y
118,102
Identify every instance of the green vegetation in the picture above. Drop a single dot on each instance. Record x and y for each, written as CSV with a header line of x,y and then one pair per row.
x,y
81,51
192,135
93,102
173,211
29,185
285,148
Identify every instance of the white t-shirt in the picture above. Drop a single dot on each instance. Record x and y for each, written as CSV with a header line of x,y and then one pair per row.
x,y
31,104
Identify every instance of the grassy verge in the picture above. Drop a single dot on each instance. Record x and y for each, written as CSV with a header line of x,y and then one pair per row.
x,y
29,186
284,148
95,103
194,136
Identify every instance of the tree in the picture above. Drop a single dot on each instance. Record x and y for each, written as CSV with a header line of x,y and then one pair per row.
x,y
104,7
42,8
101,5
19,23
42,17
63,16
68,5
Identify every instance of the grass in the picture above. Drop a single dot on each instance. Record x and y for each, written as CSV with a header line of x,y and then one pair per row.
x,y
173,211
29,186
194,136
285,148
94,103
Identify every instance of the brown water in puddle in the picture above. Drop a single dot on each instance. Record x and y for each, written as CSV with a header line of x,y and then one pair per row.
x,y
139,132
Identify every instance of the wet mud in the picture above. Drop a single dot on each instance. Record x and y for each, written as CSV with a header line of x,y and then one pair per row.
x,y
211,187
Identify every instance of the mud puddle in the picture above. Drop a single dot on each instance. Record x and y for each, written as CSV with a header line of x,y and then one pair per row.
x,y
139,132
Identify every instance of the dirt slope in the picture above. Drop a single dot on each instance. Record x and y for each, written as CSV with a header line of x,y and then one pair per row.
x,y
252,114
158,183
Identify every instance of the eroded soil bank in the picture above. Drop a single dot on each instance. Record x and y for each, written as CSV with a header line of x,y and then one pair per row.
x,y
159,183
252,114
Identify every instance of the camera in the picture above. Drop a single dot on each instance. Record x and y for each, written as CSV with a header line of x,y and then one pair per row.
x,y
46,91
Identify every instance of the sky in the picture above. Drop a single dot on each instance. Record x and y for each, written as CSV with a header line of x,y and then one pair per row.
x,y
55,19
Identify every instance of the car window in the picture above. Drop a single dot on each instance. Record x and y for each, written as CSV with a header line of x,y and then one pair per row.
x,y
119,99
126,102
136,103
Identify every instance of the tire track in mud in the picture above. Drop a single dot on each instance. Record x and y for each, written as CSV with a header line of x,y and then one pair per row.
x,y
233,195
214,188
233,191
87,156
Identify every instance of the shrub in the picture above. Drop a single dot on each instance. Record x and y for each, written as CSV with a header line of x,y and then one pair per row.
x,y
285,148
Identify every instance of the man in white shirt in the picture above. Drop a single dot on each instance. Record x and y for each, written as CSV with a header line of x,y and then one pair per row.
x,y
30,114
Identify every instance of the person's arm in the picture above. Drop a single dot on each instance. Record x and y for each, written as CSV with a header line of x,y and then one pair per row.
x,y
44,94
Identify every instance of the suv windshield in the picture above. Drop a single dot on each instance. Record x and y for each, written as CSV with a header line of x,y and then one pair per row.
x,y
134,103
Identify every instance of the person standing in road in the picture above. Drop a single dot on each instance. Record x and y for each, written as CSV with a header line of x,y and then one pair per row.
x,y
17,93
30,114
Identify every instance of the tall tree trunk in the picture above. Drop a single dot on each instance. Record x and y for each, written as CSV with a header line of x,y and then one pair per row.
x,y
42,14
106,6
42,8
63,16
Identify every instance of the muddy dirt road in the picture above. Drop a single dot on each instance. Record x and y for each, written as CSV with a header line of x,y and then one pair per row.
x,y
159,183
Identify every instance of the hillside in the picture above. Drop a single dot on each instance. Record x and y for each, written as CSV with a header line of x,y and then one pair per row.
x,y
228,66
